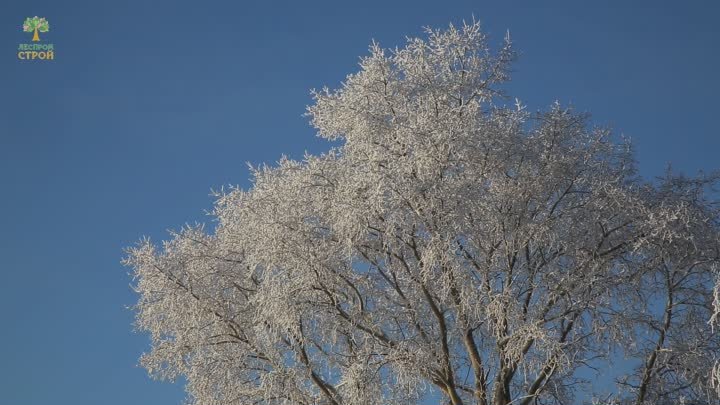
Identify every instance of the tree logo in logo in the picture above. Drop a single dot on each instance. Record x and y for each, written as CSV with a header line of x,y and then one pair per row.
x,y
36,25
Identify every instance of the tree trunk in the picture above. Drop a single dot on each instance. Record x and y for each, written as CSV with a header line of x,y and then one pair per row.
x,y
454,397
36,37
501,394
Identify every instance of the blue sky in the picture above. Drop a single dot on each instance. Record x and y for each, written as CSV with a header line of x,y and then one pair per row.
x,y
150,104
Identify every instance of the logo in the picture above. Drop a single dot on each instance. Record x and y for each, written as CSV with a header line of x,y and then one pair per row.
x,y
36,50
36,25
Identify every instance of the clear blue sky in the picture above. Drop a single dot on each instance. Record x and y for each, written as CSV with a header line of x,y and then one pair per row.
x,y
150,104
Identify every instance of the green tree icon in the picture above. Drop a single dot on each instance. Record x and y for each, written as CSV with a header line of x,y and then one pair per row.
x,y
36,24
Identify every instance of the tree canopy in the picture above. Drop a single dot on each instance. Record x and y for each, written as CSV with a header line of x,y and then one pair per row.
x,y
453,243
36,24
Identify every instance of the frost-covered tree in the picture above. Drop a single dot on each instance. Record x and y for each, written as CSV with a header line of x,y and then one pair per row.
x,y
451,244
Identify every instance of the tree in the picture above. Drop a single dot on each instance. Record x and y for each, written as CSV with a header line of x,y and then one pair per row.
x,y
36,25
451,244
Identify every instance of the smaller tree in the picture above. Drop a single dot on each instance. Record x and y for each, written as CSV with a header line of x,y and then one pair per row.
x,y
36,24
